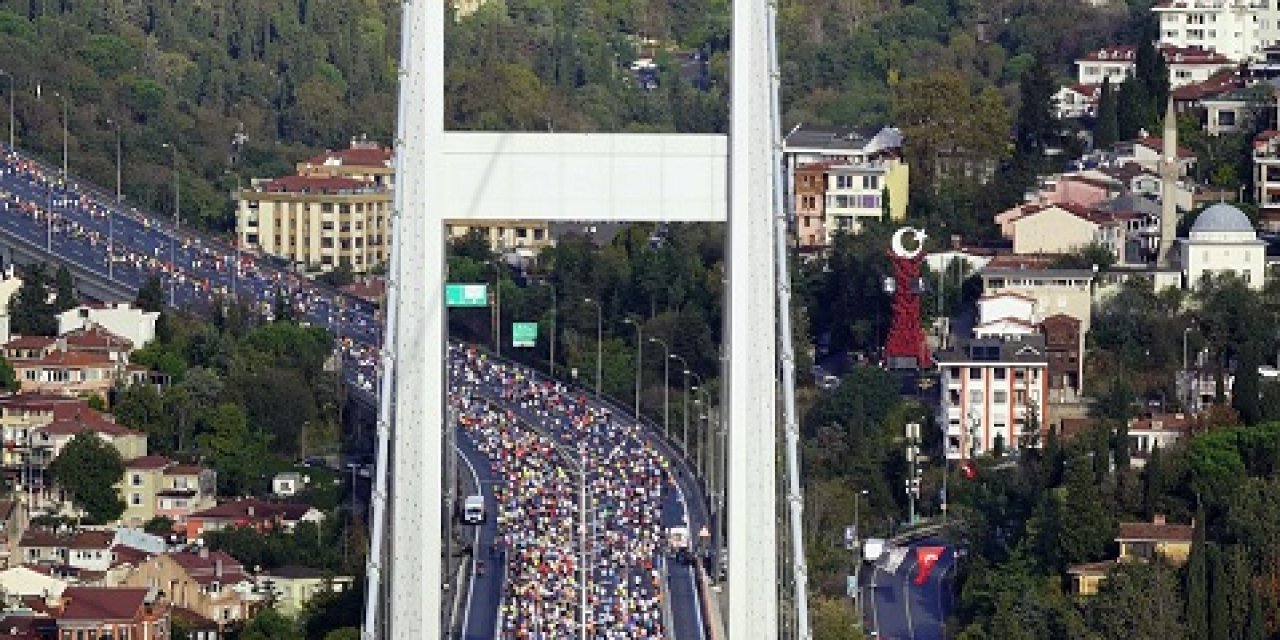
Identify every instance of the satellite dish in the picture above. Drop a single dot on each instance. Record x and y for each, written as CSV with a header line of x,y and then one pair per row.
x,y
918,236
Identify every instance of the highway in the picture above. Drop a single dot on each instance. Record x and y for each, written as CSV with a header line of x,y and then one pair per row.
x,y
637,484
896,607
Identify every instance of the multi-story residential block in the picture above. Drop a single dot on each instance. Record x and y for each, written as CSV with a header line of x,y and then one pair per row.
x,y
211,583
157,486
96,612
993,394
1067,291
35,429
1064,346
1186,65
524,237
810,205
859,173
121,320
1266,178
1238,29
317,221
86,360
292,587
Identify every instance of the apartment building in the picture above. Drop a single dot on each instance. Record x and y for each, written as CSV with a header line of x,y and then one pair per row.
x,y
211,583
839,179
96,612
1238,29
1266,179
993,394
155,486
1187,65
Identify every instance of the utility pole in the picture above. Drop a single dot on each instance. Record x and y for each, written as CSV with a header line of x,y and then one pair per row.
x,y
913,469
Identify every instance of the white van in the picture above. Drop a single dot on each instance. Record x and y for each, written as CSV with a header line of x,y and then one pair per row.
x,y
473,510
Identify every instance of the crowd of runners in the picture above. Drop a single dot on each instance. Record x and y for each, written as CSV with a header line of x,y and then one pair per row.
x,y
553,452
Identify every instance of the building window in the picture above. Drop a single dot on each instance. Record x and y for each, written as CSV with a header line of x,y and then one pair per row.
x,y
955,373
998,373
975,396
844,182
975,373
1000,397
870,182
135,499
135,479
1226,118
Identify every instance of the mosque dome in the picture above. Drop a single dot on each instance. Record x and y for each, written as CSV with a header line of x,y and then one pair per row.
x,y
1220,218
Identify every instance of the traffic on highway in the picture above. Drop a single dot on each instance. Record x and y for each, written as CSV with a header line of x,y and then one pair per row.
x,y
581,503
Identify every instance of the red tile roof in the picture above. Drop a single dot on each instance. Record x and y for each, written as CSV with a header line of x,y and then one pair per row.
x,y
1153,142
102,603
1154,532
69,359
1220,82
85,419
359,156
148,463
43,402
184,470
96,337
205,568
253,509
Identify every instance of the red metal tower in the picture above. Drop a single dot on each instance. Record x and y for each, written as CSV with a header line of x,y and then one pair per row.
x,y
906,347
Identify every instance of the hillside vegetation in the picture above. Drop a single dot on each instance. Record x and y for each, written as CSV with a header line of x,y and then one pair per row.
x,y
297,76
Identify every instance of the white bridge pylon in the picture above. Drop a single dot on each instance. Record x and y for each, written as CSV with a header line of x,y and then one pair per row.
x,y
443,175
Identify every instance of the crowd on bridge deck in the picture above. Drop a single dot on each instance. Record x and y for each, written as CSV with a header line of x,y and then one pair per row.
x,y
542,439
205,270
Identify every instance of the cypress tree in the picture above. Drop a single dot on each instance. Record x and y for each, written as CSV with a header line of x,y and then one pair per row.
x,y
1198,581
1256,629
1245,391
1132,108
1220,606
1152,482
1106,129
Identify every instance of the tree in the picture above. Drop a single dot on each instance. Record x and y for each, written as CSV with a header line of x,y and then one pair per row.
x,y
8,377
1036,127
268,624
64,290
945,122
1106,131
151,296
237,453
30,313
1133,109
1219,589
1245,392
1138,601
1198,580
89,469
159,526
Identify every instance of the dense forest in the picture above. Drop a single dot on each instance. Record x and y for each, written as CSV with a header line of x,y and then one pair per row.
x,y
246,89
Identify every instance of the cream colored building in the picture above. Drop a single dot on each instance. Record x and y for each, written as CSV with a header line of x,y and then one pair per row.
x,y
211,583
1055,291
318,222
157,486
1058,228
292,587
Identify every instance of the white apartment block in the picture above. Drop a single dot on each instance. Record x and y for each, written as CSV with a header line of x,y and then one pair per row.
x,y
992,393
122,319
1187,65
1237,29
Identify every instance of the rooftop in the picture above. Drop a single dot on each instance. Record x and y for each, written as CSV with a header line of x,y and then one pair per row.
x,y
102,603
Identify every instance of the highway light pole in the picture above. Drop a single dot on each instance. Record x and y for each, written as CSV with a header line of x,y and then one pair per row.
x,y
111,216
684,437
10,77
66,115
639,358
119,157
552,286
177,224
599,342
666,385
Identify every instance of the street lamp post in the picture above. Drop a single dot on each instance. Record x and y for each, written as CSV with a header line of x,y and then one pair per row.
x,y
666,385
684,437
857,544
639,358
177,224
111,226
66,115
553,328
119,157
599,342
699,438
10,77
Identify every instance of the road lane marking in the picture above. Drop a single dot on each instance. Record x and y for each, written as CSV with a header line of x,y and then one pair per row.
x,y
475,543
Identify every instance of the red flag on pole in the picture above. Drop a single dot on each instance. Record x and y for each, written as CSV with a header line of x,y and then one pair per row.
x,y
926,558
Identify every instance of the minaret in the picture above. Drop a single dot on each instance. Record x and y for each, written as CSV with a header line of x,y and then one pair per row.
x,y
1166,255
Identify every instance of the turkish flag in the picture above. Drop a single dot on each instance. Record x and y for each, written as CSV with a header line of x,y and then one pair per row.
x,y
969,471
926,558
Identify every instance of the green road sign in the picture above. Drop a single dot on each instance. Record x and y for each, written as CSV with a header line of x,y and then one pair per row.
x,y
524,334
466,295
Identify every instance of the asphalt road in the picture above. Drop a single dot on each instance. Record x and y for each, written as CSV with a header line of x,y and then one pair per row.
x,y
897,608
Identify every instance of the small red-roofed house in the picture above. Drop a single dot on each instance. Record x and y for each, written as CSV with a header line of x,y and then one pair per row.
x,y
251,513
1054,229
112,612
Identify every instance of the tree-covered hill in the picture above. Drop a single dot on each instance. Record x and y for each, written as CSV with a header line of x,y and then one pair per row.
x,y
301,75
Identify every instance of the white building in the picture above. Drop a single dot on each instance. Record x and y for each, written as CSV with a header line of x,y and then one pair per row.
x,y
1222,240
992,393
1237,29
124,320
1266,178
1187,65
